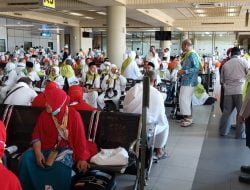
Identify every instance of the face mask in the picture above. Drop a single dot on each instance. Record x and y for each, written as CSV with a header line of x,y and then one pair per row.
x,y
56,112
58,109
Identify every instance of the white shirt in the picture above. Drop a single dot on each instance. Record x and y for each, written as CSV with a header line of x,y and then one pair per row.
x,y
153,59
23,96
132,71
156,112
96,82
12,78
33,76
120,83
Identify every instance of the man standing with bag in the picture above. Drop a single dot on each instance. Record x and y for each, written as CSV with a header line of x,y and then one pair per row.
x,y
190,68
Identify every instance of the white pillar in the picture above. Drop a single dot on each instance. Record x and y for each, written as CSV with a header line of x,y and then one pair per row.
x,y
75,40
62,41
165,44
116,34
185,36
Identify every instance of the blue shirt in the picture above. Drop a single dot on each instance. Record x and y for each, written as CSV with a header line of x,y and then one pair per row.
x,y
191,67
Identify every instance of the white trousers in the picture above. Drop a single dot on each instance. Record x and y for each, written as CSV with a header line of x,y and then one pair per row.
x,y
161,134
185,99
91,98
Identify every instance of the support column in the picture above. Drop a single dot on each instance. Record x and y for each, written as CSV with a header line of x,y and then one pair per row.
x,y
185,36
116,34
61,40
165,44
75,40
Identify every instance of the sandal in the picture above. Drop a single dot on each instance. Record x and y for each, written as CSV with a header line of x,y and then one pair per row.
x,y
163,156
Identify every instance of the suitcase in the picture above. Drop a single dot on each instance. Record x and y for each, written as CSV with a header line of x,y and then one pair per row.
x,y
94,180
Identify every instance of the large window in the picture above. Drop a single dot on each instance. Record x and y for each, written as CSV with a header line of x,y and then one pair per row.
x,y
2,45
204,43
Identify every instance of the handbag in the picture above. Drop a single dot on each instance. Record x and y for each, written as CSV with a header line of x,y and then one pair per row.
x,y
94,180
91,141
111,157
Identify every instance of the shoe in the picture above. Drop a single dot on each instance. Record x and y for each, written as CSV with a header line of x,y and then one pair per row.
x,y
186,122
245,169
244,179
163,156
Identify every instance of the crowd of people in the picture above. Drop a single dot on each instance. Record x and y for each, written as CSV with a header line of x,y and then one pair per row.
x,y
63,84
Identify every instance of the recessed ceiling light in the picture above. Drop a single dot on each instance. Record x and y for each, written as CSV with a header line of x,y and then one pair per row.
x,y
75,14
202,15
101,13
231,10
232,14
88,17
199,11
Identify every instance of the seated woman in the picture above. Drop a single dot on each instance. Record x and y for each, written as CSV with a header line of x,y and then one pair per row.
x,y
8,180
75,93
55,76
58,142
200,96
112,85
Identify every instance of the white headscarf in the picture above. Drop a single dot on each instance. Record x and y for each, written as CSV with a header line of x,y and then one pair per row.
x,y
132,55
10,66
57,70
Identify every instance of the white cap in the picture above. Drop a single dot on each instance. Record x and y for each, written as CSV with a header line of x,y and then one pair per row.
x,y
66,46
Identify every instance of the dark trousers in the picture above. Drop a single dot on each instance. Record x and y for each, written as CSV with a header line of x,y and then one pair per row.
x,y
229,103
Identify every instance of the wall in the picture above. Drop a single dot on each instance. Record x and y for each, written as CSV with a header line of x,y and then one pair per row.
x,y
18,37
86,43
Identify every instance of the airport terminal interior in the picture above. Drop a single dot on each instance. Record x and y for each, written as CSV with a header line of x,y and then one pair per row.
x,y
124,94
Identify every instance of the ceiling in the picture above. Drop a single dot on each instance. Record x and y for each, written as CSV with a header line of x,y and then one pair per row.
x,y
186,15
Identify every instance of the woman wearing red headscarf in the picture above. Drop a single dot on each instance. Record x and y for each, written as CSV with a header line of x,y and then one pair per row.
x,y
76,99
8,181
58,142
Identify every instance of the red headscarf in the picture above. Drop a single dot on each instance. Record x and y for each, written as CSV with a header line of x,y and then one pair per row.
x,y
75,93
2,138
39,100
57,99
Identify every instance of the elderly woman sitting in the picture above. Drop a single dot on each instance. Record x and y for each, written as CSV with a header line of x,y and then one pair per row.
x,y
58,143
56,77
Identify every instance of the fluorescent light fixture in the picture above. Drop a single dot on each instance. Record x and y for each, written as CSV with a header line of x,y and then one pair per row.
x,y
19,25
199,11
75,14
88,17
129,34
101,13
50,29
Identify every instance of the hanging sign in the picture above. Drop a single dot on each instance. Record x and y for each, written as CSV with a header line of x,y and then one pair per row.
x,y
49,3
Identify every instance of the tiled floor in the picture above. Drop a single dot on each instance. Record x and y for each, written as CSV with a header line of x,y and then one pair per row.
x,y
199,158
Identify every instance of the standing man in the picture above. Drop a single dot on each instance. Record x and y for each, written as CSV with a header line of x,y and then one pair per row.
x,y
190,68
153,57
233,75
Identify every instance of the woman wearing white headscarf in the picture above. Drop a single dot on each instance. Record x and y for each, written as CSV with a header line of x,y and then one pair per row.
x,y
56,77
130,69
112,85
10,79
